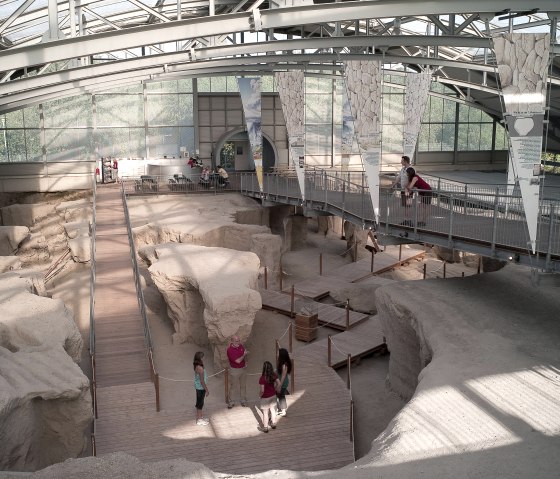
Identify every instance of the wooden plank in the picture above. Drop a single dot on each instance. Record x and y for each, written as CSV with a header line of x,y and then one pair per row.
x,y
366,338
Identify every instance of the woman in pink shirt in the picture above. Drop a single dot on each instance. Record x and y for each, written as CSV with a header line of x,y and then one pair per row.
x,y
268,382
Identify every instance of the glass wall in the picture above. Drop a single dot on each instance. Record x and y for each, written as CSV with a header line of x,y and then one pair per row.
x,y
157,119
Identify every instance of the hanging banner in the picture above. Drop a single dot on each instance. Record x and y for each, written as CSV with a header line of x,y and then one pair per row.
x,y
348,134
363,84
291,90
415,100
250,91
522,60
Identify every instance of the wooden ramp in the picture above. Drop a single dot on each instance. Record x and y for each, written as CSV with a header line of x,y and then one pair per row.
x,y
328,314
364,339
315,435
320,286
120,352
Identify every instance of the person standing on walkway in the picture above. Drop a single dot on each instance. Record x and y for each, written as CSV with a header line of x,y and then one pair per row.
x,y
236,354
402,179
283,370
269,383
424,191
201,387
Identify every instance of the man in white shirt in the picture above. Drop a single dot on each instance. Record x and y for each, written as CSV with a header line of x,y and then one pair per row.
x,y
402,179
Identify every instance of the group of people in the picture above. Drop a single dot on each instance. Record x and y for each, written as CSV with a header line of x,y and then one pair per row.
x,y
273,383
409,181
219,177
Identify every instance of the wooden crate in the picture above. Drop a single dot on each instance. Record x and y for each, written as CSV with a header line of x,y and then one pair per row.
x,y
306,327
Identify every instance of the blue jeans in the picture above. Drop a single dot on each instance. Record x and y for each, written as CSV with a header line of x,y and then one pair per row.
x,y
281,399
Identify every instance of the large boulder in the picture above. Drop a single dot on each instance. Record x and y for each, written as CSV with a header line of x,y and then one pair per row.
x,y
448,255
25,214
9,263
45,403
11,237
268,248
356,241
210,292
80,248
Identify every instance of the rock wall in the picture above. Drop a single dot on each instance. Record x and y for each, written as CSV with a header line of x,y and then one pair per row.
x,y
45,402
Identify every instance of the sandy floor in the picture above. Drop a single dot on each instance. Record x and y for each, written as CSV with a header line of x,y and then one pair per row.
x,y
375,404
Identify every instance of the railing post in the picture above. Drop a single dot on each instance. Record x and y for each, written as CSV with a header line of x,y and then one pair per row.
x,y
290,335
347,314
479,265
226,384
355,250
265,277
351,420
325,188
439,192
292,302
465,202
348,377
293,378
495,223
372,260
93,446
156,384
424,274
320,264
444,269
329,346
450,232
281,287
400,252
550,236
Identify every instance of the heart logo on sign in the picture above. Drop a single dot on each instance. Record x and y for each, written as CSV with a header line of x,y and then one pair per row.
x,y
524,126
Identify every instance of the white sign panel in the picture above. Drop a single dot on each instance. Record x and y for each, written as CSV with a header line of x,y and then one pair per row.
x,y
522,60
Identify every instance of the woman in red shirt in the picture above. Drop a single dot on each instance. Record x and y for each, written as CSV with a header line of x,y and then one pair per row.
x,y
268,382
424,191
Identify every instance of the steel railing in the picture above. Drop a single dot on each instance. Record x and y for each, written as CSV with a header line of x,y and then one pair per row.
x,y
479,216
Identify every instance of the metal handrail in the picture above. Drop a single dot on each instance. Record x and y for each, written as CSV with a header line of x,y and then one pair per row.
x,y
476,218
139,291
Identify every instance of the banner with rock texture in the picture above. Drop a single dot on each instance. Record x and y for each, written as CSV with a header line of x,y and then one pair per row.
x,y
522,60
291,90
363,84
250,91
415,100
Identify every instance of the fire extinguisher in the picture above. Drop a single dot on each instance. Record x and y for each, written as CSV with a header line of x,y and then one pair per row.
x,y
97,175
115,164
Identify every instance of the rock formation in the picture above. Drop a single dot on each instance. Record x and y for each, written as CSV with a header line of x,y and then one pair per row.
x,y
211,293
45,403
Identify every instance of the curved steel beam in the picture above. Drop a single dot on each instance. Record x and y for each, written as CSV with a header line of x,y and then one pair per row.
x,y
238,22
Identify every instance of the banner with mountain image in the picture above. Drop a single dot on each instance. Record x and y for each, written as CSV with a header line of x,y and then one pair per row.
x,y
291,90
363,86
415,101
250,91
523,61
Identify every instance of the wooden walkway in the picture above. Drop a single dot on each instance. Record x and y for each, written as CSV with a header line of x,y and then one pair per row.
x,y
314,436
328,314
320,286
120,353
366,338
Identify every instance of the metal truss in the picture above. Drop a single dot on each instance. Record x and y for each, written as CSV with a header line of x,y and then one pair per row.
x,y
66,47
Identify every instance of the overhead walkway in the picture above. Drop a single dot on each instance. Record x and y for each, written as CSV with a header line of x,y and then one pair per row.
x,y
472,218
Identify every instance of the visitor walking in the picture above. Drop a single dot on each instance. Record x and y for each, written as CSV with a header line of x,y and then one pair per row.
x,y
201,387
283,369
236,354
268,383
